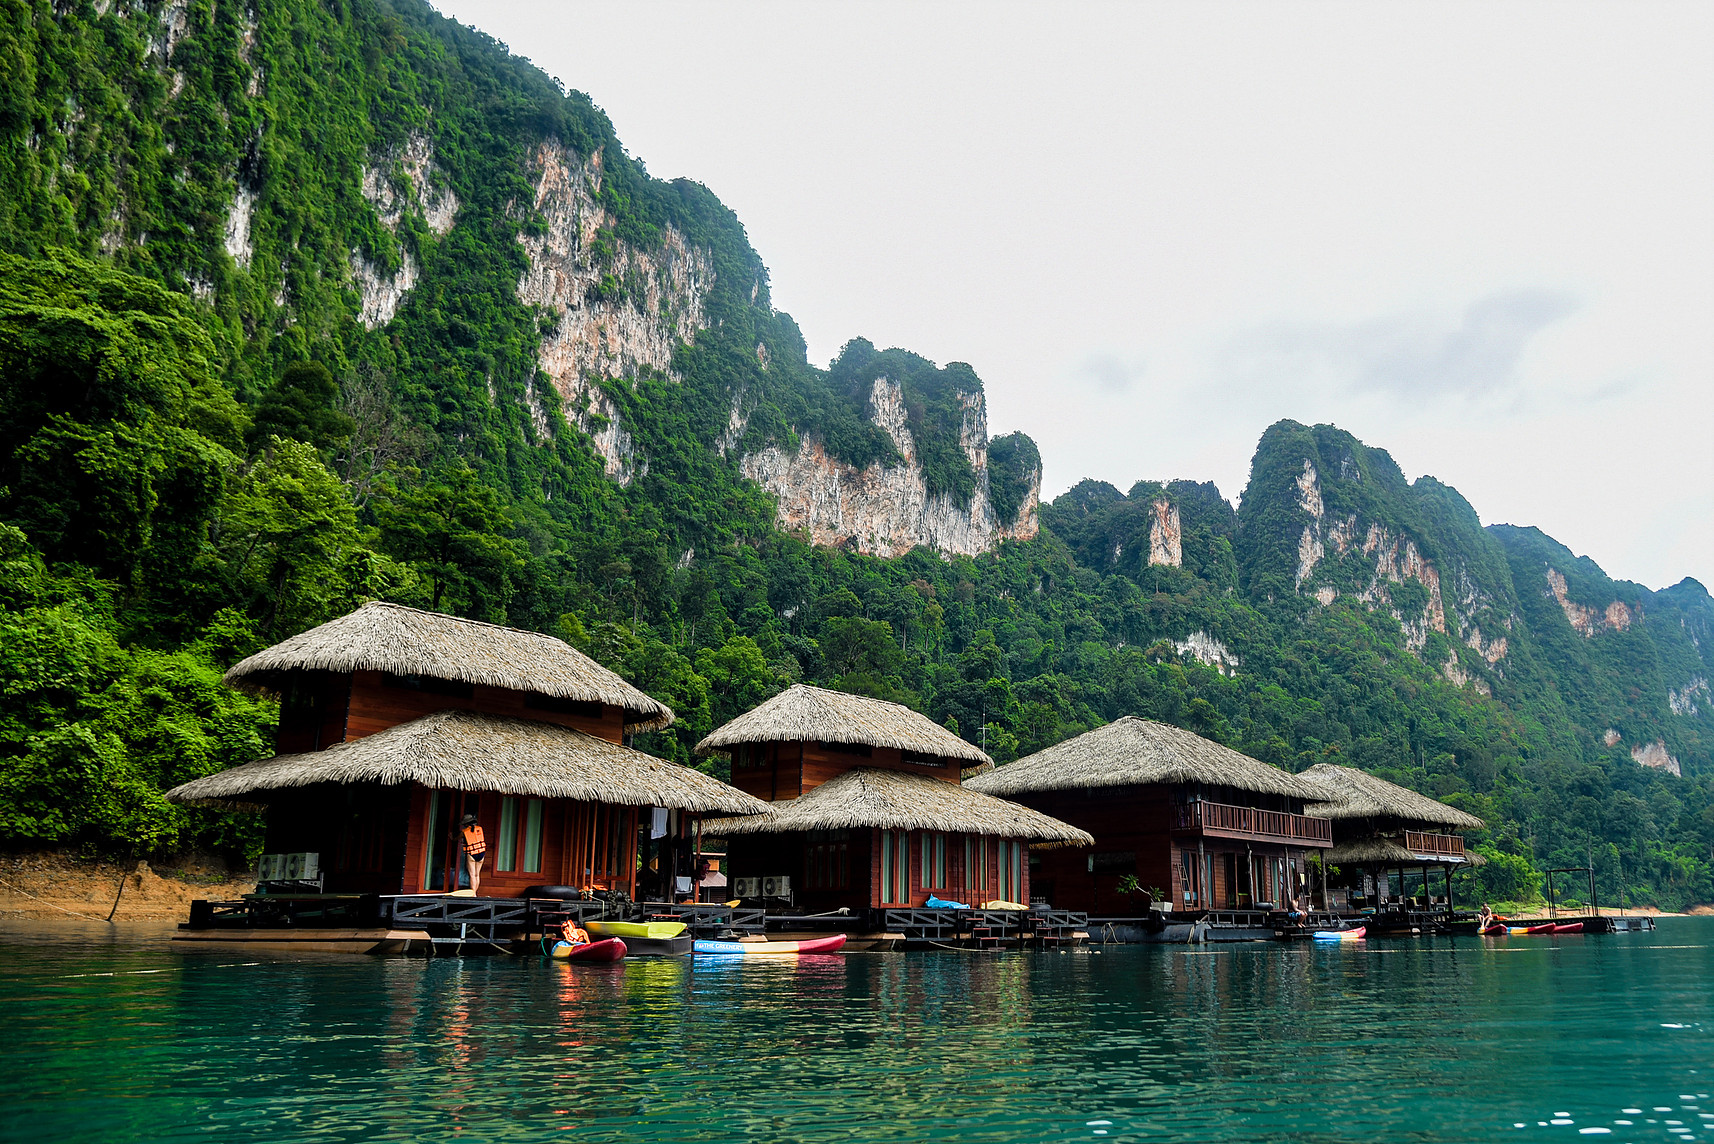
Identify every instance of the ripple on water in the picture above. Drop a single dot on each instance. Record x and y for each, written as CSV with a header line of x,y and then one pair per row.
x,y
1435,1040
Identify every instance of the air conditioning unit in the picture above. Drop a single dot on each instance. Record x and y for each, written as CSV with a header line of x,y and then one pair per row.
x,y
305,867
772,886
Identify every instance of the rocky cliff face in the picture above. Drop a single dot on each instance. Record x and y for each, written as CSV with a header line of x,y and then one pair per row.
x,y
396,183
1166,535
1587,622
884,509
617,310
1391,560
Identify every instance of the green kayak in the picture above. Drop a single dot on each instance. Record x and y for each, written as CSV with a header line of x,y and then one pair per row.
x,y
634,929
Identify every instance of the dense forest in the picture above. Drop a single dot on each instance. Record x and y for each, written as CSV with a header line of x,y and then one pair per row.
x,y
265,354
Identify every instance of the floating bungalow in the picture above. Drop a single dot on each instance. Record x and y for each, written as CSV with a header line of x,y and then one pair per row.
x,y
395,723
1183,826
1384,834
868,813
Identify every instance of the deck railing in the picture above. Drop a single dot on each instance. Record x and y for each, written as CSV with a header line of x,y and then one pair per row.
x,y
1247,820
1451,845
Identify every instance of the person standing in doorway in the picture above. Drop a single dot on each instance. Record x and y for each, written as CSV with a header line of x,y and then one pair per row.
x,y
475,849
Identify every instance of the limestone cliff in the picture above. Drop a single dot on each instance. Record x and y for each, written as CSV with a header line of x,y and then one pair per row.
x,y
1391,559
1657,756
884,509
1587,622
396,183
617,310
1166,535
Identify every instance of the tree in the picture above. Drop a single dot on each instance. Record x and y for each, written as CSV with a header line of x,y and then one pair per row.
x,y
453,534
301,407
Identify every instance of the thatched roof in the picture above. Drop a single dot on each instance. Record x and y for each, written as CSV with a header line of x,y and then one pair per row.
x,y
1368,852
809,714
408,641
1135,752
1346,792
900,800
465,750
1378,851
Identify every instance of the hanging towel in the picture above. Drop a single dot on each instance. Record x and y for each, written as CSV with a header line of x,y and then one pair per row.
x,y
658,822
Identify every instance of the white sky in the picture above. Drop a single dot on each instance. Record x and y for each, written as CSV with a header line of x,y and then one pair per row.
x,y
1479,236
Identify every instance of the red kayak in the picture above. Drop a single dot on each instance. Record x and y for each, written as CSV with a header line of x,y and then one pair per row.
x,y
608,949
1569,927
1545,927
1498,929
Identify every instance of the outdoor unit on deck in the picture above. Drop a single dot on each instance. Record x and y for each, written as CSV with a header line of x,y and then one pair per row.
x,y
286,872
771,886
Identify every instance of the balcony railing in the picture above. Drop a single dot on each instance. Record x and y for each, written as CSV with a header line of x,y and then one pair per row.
x,y
1451,845
1248,822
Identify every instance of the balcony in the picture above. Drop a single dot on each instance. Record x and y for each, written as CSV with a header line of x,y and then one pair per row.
x,y
1219,820
1439,845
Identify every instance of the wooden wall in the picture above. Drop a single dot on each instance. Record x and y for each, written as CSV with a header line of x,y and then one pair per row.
x,y
1133,836
787,770
761,855
375,706
360,832
313,712
569,829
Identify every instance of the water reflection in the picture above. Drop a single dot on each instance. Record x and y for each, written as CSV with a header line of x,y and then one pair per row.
x,y
1428,1039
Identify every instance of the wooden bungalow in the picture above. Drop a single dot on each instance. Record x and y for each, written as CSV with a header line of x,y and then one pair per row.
x,y
395,723
1204,826
1383,834
868,810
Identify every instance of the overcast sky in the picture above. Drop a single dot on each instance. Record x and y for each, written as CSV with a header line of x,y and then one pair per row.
x,y
1478,236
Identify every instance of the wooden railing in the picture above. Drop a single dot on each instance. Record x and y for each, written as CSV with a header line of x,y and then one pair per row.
x,y
1247,820
1448,844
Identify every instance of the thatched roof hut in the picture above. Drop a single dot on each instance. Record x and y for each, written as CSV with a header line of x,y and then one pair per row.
x,y
1346,792
1139,752
408,641
897,800
464,750
1378,851
813,714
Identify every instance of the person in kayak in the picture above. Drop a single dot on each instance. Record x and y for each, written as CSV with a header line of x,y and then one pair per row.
x,y
475,849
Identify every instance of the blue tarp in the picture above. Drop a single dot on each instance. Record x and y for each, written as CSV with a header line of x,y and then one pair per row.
x,y
935,903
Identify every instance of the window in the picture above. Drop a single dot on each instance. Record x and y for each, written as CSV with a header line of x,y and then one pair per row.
x,y
863,749
976,864
533,836
933,849
917,760
827,862
434,867
506,856
895,867
1011,871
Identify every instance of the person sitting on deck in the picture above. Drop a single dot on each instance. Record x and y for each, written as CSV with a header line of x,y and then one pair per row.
x,y
475,849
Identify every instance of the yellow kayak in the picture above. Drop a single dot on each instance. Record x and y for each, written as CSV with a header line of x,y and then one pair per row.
x,y
655,930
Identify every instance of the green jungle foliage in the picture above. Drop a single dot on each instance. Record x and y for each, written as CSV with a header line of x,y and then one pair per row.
x,y
203,450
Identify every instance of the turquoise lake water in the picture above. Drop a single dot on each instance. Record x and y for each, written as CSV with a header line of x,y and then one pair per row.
x,y
115,1037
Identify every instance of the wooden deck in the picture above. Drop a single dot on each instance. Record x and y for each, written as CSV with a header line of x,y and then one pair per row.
x,y
1222,820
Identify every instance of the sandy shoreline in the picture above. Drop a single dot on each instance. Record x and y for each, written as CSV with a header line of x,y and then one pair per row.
x,y
52,885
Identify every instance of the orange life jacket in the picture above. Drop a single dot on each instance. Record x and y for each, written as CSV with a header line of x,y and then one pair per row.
x,y
474,842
